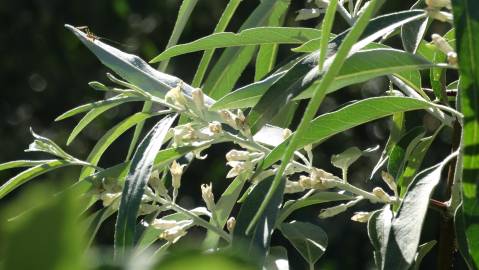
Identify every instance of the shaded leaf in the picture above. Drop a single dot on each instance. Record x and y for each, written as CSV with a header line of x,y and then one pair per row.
x,y
422,251
136,180
401,246
402,149
308,239
277,259
256,244
413,32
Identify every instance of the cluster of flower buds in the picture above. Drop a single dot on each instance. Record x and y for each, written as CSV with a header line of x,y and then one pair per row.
x,y
236,120
241,162
195,134
442,45
318,179
172,230
434,10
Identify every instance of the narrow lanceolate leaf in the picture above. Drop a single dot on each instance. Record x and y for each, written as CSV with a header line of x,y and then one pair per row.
x,y
415,159
92,114
358,68
413,32
466,21
208,54
31,173
400,247
308,239
108,138
107,103
136,180
402,149
256,244
132,68
266,58
252,36
183,17
329,124
233,61
22,163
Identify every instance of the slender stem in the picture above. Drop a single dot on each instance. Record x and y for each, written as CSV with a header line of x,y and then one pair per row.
x,y
447,237
199,221
311,266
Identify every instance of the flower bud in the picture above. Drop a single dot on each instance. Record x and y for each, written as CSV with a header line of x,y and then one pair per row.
x,y
230,224
361,217
441,44
176,97
215,127
208,196
293,187
163,224
286,133
440,15
389,180
333,211
322,175
239,167
381,195
157,184
236,155
109,198
228,118
198,99
452,58
438,4
176,171
174,234
146,209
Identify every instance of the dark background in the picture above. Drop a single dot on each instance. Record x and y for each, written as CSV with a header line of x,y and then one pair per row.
x,y
44,71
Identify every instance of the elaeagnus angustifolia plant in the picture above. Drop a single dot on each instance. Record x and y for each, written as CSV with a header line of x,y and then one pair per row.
x,y
273,165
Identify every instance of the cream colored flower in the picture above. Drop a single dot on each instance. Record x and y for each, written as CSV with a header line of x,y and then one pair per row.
x,y
176,171
176,97
362,217
208,196
230,224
